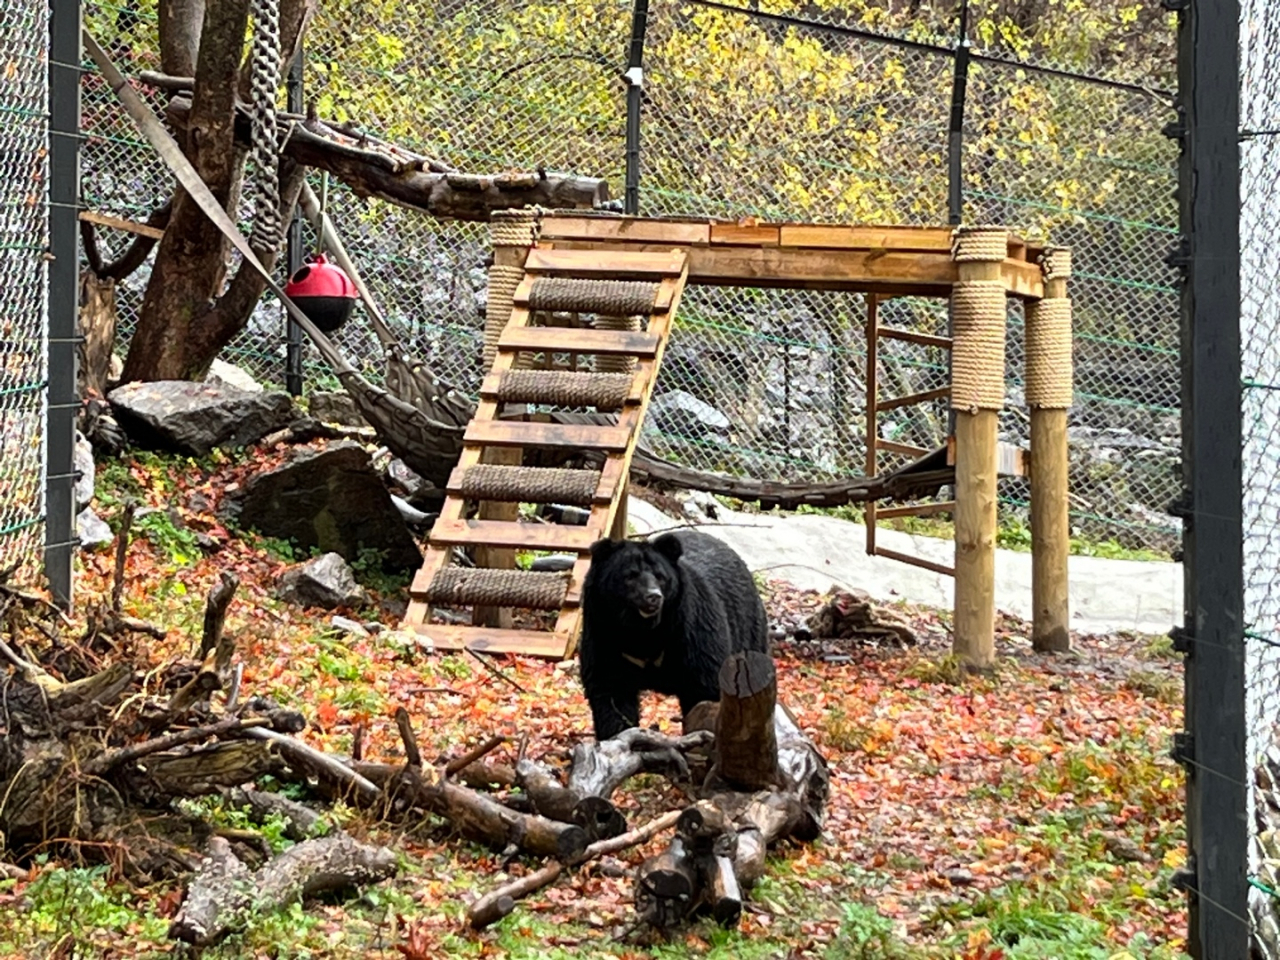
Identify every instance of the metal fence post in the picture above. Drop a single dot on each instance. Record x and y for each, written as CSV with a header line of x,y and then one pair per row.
x,y
294,249
63,297
635,95
1213,746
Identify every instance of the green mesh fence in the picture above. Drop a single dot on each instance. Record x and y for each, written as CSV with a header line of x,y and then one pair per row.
x,y
24,209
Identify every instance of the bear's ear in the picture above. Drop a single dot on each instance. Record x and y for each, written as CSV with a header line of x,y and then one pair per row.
x,y
602,550
669,546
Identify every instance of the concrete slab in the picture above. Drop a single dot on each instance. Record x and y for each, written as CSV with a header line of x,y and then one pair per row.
x,y
814,552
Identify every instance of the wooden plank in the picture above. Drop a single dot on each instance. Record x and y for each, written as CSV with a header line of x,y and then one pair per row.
x,y
569,626
917,509
614,473
606,260
837,237
916,561
913,398
516,433
614,343
892,446
500,533
120,223
417,612
911,336
562,227
755,235
527,643
904,274
1023,279
435,560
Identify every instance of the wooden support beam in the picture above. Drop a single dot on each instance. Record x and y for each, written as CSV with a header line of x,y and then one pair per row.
x,y
973,623
1050,523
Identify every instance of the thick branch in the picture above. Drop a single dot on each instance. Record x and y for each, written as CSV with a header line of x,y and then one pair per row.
x,y
397,176
180,25
223,893
496,904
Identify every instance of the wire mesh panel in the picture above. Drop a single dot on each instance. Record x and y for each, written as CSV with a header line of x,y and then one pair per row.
x,y
24,35
1260,367
748,113
1084,165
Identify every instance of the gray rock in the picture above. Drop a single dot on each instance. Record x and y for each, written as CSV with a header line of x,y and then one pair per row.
x,y
92,530
195,418
418,490
83,462
326,582
348,626
331,499
232,376
553,563
335,407
681,413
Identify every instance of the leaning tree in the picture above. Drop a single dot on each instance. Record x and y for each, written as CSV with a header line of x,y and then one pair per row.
x,y
223,91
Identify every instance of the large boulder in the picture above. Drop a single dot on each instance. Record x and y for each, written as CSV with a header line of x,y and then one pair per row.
x,y
194,418
335,406
331,499
83,462
326,582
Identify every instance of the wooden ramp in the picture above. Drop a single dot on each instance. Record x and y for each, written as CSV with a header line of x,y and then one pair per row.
x,y
606,284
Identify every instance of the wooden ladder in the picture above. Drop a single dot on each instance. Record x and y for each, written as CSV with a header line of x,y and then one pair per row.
x,y
646,285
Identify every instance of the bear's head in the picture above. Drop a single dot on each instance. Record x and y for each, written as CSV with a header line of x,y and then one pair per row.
x,y
638,580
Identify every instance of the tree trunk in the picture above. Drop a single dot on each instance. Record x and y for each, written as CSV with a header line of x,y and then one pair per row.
x,y
186,318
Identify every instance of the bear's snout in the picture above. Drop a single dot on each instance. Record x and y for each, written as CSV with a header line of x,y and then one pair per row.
x,y
650,604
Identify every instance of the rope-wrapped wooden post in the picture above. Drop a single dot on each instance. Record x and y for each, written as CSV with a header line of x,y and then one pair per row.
x,y
512,233
977,394
1048,374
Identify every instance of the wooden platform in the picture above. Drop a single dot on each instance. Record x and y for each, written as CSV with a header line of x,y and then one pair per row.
x,y
893,261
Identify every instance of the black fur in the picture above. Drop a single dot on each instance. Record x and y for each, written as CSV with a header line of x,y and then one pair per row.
x,y
705,607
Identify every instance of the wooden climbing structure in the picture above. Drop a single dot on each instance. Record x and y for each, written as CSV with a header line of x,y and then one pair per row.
x,y
641,289
565,286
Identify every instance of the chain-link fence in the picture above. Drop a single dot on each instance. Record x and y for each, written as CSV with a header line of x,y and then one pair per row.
x,y
1260,369
24,212
754,114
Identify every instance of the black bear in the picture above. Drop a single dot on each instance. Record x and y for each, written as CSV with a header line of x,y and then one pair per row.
x,y
663,615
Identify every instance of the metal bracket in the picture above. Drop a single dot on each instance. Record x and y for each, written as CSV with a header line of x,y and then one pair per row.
x,y
1176,129
1184,878
1183,639
1179,254
1184,748
1180,507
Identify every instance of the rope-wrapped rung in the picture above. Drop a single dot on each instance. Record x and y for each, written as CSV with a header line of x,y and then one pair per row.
x,y
486,481
990,244
977,350
614,298
1048,347
476,586
614,364
1055,263
565,388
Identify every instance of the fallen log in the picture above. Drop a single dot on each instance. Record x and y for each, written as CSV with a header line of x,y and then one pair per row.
x,y
598,769
372,169
224,893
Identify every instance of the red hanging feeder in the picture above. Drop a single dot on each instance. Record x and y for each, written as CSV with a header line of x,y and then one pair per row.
x,y
323,292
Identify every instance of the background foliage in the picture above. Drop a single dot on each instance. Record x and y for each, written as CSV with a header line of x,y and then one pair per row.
x,y
795,110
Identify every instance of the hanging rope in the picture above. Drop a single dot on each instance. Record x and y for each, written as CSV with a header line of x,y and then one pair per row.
x,y
264,84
